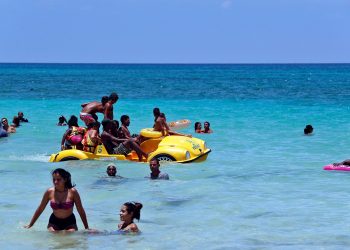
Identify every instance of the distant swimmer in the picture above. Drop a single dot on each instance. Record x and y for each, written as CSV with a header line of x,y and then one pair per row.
x,y
88,113
62,121
308,130
7,127
345,163
108,111
112,171
207,129
128,212
198,128
21,117
3,132
15,122
155,172
62,197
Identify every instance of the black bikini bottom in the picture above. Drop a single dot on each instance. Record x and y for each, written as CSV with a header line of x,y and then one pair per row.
x,y
62,224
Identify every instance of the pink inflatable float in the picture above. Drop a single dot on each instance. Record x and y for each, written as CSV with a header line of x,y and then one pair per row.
x,y
338,167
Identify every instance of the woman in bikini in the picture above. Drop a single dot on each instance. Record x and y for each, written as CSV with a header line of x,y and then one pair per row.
x,y
128,212
62,197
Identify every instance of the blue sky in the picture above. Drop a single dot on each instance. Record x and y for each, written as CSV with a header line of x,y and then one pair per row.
x,y
175,31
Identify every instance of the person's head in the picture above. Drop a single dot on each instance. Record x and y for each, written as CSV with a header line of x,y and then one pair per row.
x,y
4,123
104,100
113,98
308,129
61,119
111,170
116,124
130,211
154,165
156,112
20,115
125,120
61,178
197,126
107,125
162,115
73,121
94,125
206,125
15,121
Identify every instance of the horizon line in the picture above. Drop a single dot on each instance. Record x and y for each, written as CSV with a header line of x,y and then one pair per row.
x,y
179,63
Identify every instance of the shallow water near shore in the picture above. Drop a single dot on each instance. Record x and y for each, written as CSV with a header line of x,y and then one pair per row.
x,y
262,186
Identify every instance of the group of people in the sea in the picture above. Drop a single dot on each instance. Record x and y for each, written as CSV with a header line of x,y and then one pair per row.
x,y
63,196
117,139
6,129
198,128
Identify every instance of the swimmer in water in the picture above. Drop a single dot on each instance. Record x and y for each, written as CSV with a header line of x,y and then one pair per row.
x,y
198,128
62,121
128,212
207,129
308,130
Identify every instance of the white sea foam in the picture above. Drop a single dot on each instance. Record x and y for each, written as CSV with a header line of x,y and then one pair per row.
x,y
34,157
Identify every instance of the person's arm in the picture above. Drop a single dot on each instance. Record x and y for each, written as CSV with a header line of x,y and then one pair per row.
x,y
12,129
39,210
114,139
84,104
170,132
165,127
80,208
95,138
64,138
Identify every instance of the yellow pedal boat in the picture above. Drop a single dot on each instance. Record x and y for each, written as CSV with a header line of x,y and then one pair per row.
x,y
169,148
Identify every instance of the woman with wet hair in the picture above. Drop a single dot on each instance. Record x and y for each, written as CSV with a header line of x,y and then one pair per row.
x,y
198,128
128,212
207,129
62,196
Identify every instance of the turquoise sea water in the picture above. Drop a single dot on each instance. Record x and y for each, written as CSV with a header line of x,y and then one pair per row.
x,y
262,187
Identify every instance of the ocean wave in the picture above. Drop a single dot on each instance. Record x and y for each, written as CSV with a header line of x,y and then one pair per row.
x,y
32,157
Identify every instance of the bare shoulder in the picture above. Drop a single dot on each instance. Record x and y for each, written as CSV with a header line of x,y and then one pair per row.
x,y
49,192
133,227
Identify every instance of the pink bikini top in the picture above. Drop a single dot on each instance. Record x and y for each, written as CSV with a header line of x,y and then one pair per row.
x,y
63,205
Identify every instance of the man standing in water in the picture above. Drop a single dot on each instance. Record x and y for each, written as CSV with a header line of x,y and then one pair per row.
x,y
108,111
155,172
88,113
